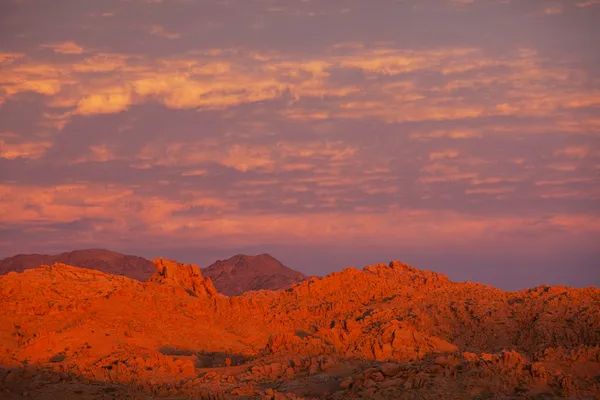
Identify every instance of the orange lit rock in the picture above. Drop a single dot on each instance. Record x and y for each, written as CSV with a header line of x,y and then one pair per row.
x,y
389,331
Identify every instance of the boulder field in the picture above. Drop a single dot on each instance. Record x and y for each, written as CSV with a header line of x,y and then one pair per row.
x,y
389,331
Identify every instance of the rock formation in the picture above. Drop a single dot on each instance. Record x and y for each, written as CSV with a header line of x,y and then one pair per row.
x,y
231,277
242,273
187,276
387,331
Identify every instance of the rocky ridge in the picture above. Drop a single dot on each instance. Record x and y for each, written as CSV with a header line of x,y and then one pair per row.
x,y
234,276
187,276
387,331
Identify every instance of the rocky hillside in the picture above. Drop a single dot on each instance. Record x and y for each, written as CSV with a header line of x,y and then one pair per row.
x,y
234,276
106,261
242,273
387,331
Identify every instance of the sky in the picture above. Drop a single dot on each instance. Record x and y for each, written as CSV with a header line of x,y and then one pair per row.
x,y
460,136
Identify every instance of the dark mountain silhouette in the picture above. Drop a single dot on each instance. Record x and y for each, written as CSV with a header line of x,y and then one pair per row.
x,y
106,261
242,273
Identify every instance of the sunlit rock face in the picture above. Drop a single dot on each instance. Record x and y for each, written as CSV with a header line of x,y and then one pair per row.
x,y
389,331
187,276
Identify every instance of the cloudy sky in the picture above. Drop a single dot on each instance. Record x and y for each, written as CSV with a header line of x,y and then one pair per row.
x,y
461,136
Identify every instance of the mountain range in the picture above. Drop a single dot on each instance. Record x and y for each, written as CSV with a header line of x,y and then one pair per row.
x,y
234,276
388,331
107,261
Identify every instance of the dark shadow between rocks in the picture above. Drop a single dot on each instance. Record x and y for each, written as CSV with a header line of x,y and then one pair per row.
x,y
42,383
303,334
175,351
207,359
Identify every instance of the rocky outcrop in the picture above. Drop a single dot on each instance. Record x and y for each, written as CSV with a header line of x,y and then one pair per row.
x,y
388,331
506,374
187,276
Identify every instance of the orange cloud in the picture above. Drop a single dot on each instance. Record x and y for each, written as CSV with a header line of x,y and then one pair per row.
x,y
304,115
68,47
226,223
440,155
452,134
448,177
565,167
109,100
558,182
244,157
6,58
194,172
62,203
231,88
101,62
573,151
162,32
553,10
496,190
489,180
223,78
588,3
100,153
27,149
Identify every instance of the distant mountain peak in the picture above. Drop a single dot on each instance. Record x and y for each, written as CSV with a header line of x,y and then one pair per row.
x,y
263,256
107,261
242,273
